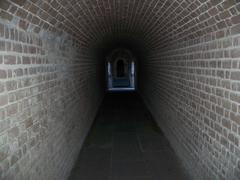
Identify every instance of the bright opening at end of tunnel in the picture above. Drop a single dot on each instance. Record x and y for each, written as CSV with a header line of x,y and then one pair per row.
x,y
121,71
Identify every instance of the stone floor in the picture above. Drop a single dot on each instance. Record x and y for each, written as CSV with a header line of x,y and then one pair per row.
x,y
125,144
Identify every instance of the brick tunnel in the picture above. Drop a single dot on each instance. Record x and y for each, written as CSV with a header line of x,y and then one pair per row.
x,y
56,113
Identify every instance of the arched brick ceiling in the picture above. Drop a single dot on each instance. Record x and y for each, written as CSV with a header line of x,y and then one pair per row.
x,y
157,22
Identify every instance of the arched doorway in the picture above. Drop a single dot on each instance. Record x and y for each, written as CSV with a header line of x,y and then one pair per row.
x,y
120,68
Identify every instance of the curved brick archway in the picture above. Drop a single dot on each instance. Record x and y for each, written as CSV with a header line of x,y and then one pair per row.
x,y
52,79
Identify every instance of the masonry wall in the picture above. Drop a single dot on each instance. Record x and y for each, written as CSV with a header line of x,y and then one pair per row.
x,y
191,84
51,85
49,94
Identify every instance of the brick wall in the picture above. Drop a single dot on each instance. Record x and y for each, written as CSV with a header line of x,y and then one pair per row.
x,y
49,94
50,82
191,84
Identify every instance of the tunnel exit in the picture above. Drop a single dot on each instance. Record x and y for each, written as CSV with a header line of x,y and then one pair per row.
x,y
121,71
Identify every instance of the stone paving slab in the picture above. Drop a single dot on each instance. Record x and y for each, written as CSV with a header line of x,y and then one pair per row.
x,y
125,143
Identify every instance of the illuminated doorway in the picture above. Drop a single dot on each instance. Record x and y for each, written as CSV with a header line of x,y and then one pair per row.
x,y
121,71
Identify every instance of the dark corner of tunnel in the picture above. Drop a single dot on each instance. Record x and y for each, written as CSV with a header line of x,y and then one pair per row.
x,y
102,48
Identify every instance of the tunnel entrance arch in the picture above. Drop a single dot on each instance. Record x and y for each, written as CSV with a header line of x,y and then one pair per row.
x,y
121,71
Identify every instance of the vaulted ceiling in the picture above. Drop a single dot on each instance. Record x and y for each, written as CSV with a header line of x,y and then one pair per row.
x,y
156,22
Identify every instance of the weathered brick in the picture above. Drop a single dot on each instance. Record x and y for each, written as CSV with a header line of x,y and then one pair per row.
x,y
233,138
12,109
3,140
235,29
26,60
13,132
225,15
22,139
19,2
235,97
4,4
1,30
236,19
11,85
4,152
235,75
220,34
235,117
35,20
226,123
28,122
9,73
33,9
2,46
23,24
224,142
13,9
9,59
3,74
221,25
18,72
14,159
6,16
4,125
213,11
22,13
3,100
235,53
2,87
17,48
191,72
228,3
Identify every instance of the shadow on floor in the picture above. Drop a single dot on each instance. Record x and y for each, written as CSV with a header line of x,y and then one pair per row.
x,y
124,143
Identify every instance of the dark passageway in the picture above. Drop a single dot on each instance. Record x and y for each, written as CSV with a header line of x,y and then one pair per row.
x,y
126,144
58,60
